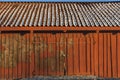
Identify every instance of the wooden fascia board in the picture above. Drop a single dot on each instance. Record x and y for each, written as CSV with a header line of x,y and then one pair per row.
x,y
59,28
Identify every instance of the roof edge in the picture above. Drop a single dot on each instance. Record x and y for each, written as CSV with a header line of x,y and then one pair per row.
x,y
117,28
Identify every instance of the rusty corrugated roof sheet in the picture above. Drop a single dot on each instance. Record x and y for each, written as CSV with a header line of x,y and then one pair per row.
x,y
60,14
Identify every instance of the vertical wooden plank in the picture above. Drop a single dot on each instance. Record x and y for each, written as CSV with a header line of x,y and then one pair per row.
x,y
92,53
35,45
6,56
32,56
51,57
39,53
2,64
57,53
18,52
79,41
114,56
118,52
66,52
0,53
96,53
10,52
49,52
109,55
101,54
76,57
43,48
70,56
45,54
88,54
30,69
12,56
54,55
20,56
29,55
82,55
105,54
62,52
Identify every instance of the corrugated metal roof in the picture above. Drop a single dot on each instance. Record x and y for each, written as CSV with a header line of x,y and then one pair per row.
x,y
60,14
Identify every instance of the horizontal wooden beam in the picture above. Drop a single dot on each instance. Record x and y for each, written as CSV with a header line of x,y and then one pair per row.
x,y
59,28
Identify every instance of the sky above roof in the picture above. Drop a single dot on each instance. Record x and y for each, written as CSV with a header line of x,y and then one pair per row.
x,y
58,0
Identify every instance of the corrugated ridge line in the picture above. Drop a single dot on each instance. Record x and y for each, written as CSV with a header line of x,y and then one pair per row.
x,y
66,20
61,16
49,15
41,15
37,15
98,16
2,7
53,15
57,15
12,16
71,8
81,15
111,13
16,16
106,14
33,15
76,15
8,17
4,13
88,16
25,16
114,9
21,14
101,12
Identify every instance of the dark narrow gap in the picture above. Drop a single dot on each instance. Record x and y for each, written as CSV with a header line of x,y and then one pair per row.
x,y
98,54
43,55
59,54
47,54
66,70
13,53
39,54
79,53
0,51
17,52
107,52
86,52
26,52
73,51
65,67
90,56
9,54
33,72
4,57
29,67
117,53
56,54
21,43
103,53
111,55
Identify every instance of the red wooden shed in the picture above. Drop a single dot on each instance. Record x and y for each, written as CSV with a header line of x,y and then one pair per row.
x,y
56,39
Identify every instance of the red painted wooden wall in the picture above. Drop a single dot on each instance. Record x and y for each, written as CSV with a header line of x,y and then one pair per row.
x,y
59,54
